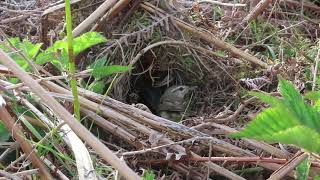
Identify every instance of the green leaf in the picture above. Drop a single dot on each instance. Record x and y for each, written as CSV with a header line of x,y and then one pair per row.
x,y
80,43
45,57
149,175
32,129
100,72
312,95
30,49
15,42
98,63
316,106
58,51
273,101
4,134
271,52
287,119
305,113
20,46
97,87
302,171
87,40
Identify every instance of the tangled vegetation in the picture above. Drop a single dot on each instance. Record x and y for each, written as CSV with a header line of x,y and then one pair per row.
x,y
159,89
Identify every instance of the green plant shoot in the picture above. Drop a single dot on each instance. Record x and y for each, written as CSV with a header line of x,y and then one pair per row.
x,y
72,66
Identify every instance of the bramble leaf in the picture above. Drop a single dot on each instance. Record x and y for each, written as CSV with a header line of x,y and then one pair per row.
x,y
99,72
289,120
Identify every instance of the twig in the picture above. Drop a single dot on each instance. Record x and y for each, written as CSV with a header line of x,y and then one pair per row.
x,y
283,171
307,5
61,112
258,9
93,17
17,133
261,145
81,154
234,115
57,7
112,12
273,34
14,162
9,176
23,173
221,3
163,146
224,159
10,86
14,19
128,120
207,36
26,12
315,69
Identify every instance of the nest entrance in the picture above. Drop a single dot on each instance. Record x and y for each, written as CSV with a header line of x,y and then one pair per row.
x,y
153,74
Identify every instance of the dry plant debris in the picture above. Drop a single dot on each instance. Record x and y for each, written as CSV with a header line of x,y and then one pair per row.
x,y
137,119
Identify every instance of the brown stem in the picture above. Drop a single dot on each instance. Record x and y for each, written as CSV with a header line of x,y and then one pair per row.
x,y
26,147
62,113
227,159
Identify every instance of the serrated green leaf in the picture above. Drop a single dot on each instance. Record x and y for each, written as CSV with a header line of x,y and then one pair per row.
x,y
31,49
267,123
87,40
100,72
15,42
45,57
289,118
273,101
58,51
305,113
15,56
302,171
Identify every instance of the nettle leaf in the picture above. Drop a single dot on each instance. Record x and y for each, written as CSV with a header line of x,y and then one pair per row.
x,y
15,42
58,51
26,47
100,72
288,118
31,49
45,57
87,40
